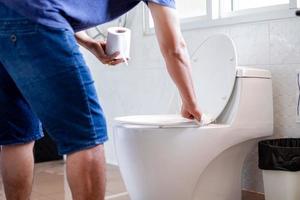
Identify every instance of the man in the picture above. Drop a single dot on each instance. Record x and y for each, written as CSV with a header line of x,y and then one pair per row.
x,y
43,78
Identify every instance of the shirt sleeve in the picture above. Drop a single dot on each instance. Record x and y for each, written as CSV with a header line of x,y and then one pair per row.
x,y
168,3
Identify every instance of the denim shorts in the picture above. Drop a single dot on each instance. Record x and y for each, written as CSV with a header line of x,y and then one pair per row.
x,y
44,81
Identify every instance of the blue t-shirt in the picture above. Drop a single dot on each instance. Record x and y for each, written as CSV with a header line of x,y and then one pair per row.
x,y
75,15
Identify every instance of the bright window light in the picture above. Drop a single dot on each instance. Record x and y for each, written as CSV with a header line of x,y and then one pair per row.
x,y
191,8
210,13
247,4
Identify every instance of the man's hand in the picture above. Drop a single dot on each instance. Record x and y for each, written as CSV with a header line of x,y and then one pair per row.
x,y
191,112
97,48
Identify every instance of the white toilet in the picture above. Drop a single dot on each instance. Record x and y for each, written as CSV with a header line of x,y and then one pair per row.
x,y
167,157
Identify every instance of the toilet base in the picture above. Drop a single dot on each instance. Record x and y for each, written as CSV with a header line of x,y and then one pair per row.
x,y
221,180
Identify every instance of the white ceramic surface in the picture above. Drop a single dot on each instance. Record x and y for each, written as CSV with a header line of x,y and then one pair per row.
x,y
163,120
245,72
194,163
159,120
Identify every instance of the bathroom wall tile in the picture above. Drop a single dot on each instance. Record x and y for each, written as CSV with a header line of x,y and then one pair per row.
x,y
284,81
145,52
252,43
285,100
285,41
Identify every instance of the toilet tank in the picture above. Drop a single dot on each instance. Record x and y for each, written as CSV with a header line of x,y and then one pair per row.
x,y
251,103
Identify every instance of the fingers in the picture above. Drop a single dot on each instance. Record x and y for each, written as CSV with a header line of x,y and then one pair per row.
x,y
116,62
103,44
191,114
108,59
99,52
197,116
186,114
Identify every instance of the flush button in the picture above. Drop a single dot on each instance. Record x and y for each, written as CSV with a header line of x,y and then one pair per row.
x,y
13,38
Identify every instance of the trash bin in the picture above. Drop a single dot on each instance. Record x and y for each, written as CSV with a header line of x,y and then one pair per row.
x,y
280,161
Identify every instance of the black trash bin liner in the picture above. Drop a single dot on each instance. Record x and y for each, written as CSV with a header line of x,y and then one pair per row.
x,y
279,154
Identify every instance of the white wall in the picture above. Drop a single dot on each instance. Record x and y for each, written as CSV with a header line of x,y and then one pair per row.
x,y
144,87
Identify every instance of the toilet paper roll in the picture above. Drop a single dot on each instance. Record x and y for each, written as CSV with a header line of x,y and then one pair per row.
x,y
118,39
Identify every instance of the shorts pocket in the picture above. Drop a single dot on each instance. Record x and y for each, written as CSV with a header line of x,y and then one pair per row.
x,y
20,26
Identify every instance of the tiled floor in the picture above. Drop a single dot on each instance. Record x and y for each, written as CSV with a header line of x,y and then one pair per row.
x,y
252,196
50,185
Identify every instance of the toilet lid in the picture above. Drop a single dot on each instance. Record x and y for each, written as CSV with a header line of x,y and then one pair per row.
x,y
214,71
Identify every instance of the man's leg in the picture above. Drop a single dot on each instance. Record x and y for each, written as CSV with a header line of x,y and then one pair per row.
x,y
86,174
54,79
17,170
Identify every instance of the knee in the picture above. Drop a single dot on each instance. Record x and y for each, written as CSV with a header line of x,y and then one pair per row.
x,y
88,156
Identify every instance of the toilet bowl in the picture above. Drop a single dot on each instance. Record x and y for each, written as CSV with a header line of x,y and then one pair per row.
x,y
167,157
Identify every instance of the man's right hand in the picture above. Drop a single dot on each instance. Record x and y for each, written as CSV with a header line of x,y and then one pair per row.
x,y
191,111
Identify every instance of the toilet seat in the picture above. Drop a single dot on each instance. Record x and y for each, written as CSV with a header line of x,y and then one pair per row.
x,y
157,120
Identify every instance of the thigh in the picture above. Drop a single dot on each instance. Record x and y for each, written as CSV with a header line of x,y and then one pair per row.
x,y
18,123
49,70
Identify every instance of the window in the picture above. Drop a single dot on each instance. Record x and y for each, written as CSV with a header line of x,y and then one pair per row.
x,y
194,8
208,13
246,4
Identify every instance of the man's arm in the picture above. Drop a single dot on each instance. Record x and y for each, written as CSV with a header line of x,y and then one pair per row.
x,y
173,48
